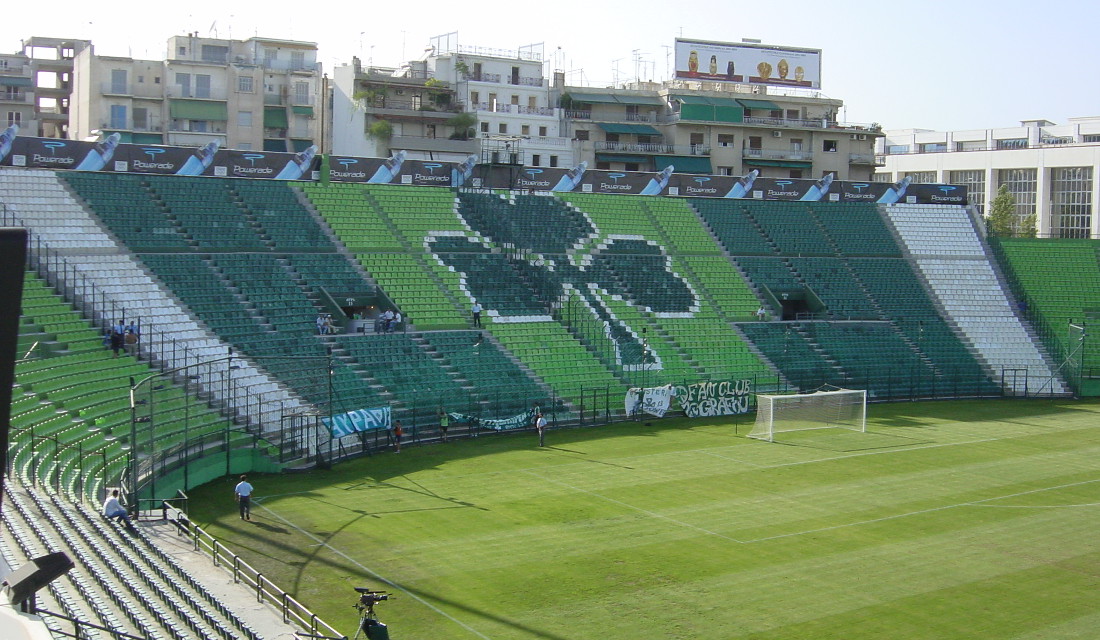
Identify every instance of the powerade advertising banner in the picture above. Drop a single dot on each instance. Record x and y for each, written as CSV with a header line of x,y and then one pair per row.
x,y
209,160
111,155
398,170
357,421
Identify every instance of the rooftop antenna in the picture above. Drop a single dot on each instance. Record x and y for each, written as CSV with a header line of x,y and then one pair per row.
x,y
668,56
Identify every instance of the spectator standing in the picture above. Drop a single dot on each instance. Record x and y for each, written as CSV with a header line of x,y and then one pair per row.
x,y
397,433
444,423
117,340
476,310
113,509
243,493
540,425
396,321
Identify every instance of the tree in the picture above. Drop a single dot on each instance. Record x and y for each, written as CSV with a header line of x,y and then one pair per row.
x,y
369,98
380,130
1002,213
1028,228
463,125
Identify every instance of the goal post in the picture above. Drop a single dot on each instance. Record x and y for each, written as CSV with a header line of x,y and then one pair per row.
x,y
841,409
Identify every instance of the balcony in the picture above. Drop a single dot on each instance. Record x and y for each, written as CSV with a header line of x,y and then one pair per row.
x,y
864,158
658,148
578,115
774,154
116,89
442,145
21,97
176,91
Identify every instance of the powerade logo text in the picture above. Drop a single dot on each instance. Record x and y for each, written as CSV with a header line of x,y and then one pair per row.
x,y
252,170
152,152
53,158
345,164
532,179
616,186
431,167
946,189
781,193
860,193
699,188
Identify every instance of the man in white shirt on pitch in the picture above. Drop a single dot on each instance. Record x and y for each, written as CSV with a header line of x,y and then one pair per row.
x,y
243,492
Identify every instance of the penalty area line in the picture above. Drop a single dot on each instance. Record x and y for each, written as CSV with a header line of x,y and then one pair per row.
x,y
377,576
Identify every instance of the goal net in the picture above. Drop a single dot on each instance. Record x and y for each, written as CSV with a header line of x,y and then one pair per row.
x,y
842,409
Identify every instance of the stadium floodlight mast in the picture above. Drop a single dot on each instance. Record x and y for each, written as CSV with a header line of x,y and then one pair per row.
x,y
839,409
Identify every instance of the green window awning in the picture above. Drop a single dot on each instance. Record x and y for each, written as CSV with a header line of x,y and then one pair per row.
x,y
198,110
15,81
683,164
148,138
791,164
302,111
593,98
640,100
637,129
690,99
271,144
300,145
621,157
275,118
708,100
766,105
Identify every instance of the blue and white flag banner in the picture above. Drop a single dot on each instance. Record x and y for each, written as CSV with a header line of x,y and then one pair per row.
x,y
653,400
520,421
358,420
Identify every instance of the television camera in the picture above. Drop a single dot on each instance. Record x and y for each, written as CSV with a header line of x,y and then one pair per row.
x,y
368,621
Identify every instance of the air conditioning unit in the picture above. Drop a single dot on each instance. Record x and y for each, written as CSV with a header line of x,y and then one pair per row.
x,y
853,136
777,134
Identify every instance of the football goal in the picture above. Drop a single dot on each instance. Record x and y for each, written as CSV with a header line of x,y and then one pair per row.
x,y
841,409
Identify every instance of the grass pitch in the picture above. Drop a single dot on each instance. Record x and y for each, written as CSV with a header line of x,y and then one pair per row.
x,y
946,520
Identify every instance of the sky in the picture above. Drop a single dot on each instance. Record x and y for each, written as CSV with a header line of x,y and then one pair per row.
x,y
941,65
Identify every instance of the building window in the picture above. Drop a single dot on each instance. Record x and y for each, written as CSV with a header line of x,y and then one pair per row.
x,y
796,144
301,93
933,147
974,181
183,81
118,81
611,137
475,98
725,140
1012,143
1022,185
485,127
182,51
756,142
882,177
429,130
298,59
532,103
895,149
502,127
828,146
1090,138
141,79
202,86
199,126
156,79
214,53
603,166
793,114
542,132
796,173
536,160
725,171
244,84
244,146
1070,202
118,116
921,177
14,117
269,56
515,100
695,139
525,129
631,166
581,134
244,118
553,161
141,118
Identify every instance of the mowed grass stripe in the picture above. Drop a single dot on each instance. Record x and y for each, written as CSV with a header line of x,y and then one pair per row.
x,y
632,530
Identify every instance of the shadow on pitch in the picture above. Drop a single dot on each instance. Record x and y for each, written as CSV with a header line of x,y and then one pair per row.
x,y
852,442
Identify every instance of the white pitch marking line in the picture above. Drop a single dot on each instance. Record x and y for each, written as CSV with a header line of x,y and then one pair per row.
x,y
322,543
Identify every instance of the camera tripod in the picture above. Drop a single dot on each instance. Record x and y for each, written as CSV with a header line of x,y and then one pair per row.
x,y
369,626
